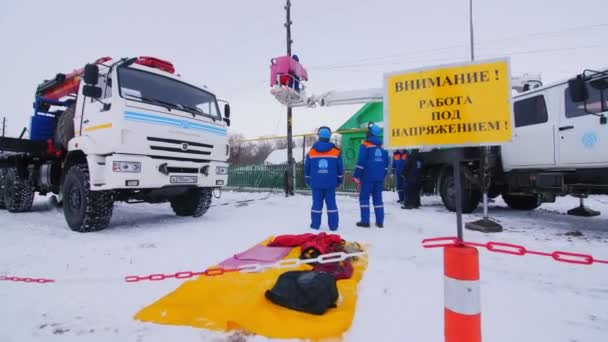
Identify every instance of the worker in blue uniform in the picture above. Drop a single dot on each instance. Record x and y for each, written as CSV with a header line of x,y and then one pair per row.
x,y
399,157
372,167
324,172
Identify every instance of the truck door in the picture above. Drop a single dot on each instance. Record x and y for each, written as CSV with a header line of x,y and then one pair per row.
x,y
583,141
96,117
533,143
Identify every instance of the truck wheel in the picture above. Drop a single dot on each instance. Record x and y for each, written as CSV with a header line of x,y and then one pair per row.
x,y
18,192
194,203
470,194
522,202
64,131
2,176
85,210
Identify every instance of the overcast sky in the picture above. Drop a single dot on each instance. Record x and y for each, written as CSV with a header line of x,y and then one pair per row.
x,y
345,45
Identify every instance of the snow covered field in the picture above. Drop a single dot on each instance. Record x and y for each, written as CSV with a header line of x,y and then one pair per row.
x,y
528,298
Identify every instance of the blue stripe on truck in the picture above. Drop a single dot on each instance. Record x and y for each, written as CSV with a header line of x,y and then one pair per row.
x,y
162,120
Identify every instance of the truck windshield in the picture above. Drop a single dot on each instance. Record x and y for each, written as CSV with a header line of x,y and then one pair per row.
x,y
166,92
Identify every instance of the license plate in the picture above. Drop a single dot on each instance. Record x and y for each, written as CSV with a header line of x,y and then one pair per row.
x,y
183,179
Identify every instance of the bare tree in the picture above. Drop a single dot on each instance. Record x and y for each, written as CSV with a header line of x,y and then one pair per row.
x,y
280,144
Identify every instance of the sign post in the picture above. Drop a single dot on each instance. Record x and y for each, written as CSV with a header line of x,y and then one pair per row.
x,y
459,105
452,106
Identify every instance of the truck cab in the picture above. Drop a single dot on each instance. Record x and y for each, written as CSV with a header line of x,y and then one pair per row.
x,y
553,131
128,130
157,127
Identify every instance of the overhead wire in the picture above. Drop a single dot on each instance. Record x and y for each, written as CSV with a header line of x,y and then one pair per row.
x,y
356,68
452,47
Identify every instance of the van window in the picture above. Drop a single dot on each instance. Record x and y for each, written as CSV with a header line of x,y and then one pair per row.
x,y
594,103
530,111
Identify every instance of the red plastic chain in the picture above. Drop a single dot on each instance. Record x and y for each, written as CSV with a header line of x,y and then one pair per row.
x,y
27,280
513,249
506,248
210,272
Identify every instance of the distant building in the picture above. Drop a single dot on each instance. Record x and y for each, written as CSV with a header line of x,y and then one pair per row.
x,y
277,157
370,112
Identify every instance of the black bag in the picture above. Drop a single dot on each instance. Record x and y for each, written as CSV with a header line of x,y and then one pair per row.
x,y
307,291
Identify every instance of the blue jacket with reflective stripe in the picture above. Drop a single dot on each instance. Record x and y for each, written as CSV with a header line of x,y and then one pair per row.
x,y
372,164
323,168
399,158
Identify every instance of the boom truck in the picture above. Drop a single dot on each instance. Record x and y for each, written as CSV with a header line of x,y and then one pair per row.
x,y
559,145
129,130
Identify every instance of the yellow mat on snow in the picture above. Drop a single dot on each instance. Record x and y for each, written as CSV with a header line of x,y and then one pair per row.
x,y
236,301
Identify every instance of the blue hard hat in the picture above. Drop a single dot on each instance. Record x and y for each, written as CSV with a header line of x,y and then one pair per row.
x,y
375,130
324,133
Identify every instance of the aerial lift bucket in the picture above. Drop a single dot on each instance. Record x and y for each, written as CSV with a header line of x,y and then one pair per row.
x,y
288,96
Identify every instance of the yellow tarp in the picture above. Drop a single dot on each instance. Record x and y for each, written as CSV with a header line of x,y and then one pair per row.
x,y
236,301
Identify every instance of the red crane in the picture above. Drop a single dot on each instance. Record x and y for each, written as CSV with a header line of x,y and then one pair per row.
x,y
63,85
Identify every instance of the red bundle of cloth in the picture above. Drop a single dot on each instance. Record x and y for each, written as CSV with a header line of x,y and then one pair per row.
x,y
313,245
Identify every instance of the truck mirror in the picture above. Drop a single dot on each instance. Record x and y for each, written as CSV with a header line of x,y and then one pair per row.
x,y
227,121
600,83
226,110
578,89
91,74
91,91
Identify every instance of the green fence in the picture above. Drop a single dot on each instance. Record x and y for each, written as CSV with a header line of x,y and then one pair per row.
x,y
272,176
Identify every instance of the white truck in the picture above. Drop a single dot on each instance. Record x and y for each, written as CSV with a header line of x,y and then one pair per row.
x,y
559,146
126,130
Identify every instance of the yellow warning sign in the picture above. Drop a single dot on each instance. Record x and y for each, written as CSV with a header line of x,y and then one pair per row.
x,y
458,105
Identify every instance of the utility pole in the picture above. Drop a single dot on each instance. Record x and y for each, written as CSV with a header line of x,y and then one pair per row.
x,y
3,126
290,164
472,41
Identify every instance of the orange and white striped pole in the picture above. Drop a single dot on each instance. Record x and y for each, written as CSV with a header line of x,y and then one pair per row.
x,y
462,300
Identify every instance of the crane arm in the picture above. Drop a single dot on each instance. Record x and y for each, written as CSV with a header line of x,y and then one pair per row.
x,y
63,85
336,98
291,98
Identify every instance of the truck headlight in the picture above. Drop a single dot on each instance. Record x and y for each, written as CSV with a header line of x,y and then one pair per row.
x,y
221,170
123,166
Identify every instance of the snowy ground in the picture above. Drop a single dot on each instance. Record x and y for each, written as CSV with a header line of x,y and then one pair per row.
x,y
529,298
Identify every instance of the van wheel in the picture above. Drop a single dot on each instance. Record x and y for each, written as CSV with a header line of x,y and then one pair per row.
x,y
85,210
2,176
193,203
64,131
470,194
522,202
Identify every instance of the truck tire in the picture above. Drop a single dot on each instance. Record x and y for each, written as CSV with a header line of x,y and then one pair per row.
x,y
64,130
85,210
194,203
522,202
18,192
2,176
470,194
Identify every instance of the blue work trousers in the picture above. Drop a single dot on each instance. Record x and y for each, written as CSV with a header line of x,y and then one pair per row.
x,y
373,189
329,197
400,187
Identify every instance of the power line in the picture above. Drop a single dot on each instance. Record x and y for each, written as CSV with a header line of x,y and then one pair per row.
x,y
511,53
452,47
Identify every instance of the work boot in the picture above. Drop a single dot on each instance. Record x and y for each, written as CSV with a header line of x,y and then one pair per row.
x,y
407,206
379,225
363,225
